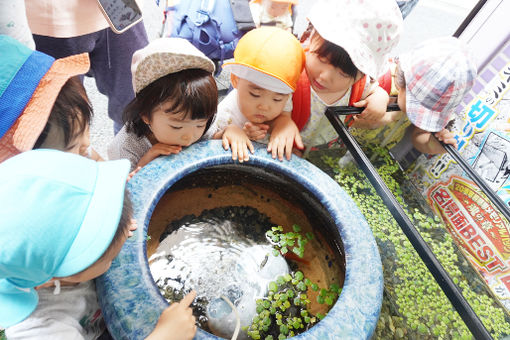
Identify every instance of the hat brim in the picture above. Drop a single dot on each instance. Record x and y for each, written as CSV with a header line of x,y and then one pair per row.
x,y
425,119
16,303
367,66
101,219
25,131
259,77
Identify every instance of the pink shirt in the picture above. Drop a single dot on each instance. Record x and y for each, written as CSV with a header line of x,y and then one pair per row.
x,y
64,18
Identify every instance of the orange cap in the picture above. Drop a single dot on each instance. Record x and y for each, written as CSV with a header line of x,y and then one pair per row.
x,y
269,51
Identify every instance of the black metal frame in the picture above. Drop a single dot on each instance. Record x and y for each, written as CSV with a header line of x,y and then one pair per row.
x,y
495,199
434,266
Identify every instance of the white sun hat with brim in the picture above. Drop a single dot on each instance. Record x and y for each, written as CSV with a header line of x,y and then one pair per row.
x,y
366,29
164,56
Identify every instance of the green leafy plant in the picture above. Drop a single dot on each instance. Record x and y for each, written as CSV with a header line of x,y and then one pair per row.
x,y
292,241
285,312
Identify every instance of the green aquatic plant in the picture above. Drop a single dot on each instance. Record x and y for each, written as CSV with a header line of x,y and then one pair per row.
x,y
414,306
284,311
292,241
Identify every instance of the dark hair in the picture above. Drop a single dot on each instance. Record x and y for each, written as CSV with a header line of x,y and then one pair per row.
x,y
336,55
192,92
71,112
124,224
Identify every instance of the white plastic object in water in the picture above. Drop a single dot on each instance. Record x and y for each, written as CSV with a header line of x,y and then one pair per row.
x,y
255,268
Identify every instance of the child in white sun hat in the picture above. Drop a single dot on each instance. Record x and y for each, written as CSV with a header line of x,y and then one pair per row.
x,y
432,79
347,44
265,71
175,102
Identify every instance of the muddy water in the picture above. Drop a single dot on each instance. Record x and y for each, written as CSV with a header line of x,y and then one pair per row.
x,y
214,241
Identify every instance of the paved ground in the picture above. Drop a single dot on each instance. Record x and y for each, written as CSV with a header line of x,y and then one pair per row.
x,y
430,18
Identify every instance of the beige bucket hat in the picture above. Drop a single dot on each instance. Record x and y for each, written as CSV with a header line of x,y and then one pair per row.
x,y
165,56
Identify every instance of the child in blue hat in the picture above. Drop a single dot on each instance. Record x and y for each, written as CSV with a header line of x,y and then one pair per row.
x,y
63,222
43,103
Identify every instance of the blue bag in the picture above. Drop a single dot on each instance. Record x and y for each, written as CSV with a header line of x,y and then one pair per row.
x,y
209,25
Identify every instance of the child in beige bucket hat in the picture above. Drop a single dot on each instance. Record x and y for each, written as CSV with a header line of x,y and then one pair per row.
x,y
175,102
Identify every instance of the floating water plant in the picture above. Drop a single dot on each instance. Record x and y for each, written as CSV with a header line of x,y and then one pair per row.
x,y
414,306
292,241
285,311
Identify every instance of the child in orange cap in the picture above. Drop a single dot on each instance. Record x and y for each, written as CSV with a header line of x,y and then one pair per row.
x,y
266,68
273,13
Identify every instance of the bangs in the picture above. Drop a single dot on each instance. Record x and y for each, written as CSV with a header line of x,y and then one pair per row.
x,y
195,98
336,55
192,93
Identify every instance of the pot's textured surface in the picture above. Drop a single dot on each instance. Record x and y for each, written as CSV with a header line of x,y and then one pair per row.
x,y
131,302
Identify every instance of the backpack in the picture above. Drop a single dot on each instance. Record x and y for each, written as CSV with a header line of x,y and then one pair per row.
x,y
209,25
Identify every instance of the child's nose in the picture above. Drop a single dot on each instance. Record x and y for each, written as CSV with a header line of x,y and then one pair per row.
x,y
186,137
263,105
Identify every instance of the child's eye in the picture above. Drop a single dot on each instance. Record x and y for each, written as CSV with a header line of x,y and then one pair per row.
x,y
200,126
176,127
342,74
254,95
277,99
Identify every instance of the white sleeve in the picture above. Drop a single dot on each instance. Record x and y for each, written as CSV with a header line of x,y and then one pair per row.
x,y
71,315
224,115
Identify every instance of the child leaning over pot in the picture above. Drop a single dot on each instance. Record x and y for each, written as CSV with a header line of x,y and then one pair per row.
x,y
265,71
73,221
175,102
44,104
432,80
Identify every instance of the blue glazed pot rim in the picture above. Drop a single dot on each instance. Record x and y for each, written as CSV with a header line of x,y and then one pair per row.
x,y
131,301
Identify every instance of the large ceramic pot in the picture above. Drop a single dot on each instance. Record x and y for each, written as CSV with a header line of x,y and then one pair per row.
x,y
131,301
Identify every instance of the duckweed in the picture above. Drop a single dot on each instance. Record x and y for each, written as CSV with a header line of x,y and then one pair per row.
x,y
414,305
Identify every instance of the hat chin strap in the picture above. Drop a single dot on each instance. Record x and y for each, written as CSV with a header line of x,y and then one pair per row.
x,y
57,287
259,78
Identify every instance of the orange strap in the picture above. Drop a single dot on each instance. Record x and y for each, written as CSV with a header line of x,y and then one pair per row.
x,y
356,93
385,81
301,101
301,97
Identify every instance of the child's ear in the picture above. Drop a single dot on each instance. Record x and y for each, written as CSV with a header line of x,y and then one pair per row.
x,y
145,119
233,80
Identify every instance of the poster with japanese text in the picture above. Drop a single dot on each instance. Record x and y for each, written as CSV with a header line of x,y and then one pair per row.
x,y
482,131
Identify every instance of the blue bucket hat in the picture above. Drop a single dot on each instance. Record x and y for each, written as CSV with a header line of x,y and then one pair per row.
x,y
60,212
30,82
